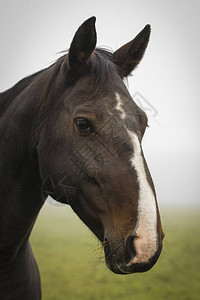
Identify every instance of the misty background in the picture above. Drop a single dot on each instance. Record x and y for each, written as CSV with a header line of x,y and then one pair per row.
x,y
166,83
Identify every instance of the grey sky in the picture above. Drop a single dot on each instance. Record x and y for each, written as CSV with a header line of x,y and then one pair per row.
x,y
33,31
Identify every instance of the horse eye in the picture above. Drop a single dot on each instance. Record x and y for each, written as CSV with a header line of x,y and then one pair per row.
x,y
84,125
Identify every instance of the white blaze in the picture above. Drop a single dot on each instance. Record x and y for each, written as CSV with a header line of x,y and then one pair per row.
x,y
119,106
146,228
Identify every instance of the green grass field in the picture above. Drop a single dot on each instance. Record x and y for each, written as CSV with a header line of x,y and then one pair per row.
x,y
72,266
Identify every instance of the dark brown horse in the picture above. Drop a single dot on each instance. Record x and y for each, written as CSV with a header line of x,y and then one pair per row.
x,y
72,131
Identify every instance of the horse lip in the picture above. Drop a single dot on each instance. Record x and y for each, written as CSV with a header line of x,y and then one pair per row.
x,y
118,267
115,267
123,268
111,260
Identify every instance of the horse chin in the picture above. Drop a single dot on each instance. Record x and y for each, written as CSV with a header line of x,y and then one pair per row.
x,y
123,269
118,267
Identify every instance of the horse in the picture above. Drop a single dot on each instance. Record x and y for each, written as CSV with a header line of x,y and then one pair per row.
x,y
72,131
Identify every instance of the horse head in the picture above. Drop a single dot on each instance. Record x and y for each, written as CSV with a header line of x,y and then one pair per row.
x,y
90,153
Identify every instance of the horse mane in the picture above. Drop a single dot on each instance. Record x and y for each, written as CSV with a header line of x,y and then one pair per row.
x,y
7,96
101,68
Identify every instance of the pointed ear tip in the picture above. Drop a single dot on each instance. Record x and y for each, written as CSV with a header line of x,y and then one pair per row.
x,y
92,19
91,22
147,28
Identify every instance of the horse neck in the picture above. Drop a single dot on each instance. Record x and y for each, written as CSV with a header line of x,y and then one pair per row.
x,y
20,184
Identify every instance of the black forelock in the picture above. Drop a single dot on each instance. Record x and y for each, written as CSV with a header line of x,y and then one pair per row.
x,y
102,67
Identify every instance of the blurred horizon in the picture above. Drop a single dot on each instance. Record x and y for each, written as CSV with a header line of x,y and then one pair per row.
x,y
72,265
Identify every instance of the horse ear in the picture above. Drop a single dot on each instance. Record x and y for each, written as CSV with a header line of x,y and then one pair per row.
x,y
83,44
128,56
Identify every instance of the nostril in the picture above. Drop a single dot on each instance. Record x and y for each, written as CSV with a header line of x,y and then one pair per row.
x,y
130,246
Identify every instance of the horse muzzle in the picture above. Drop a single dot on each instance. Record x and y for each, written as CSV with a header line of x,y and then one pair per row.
x,y
124,259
